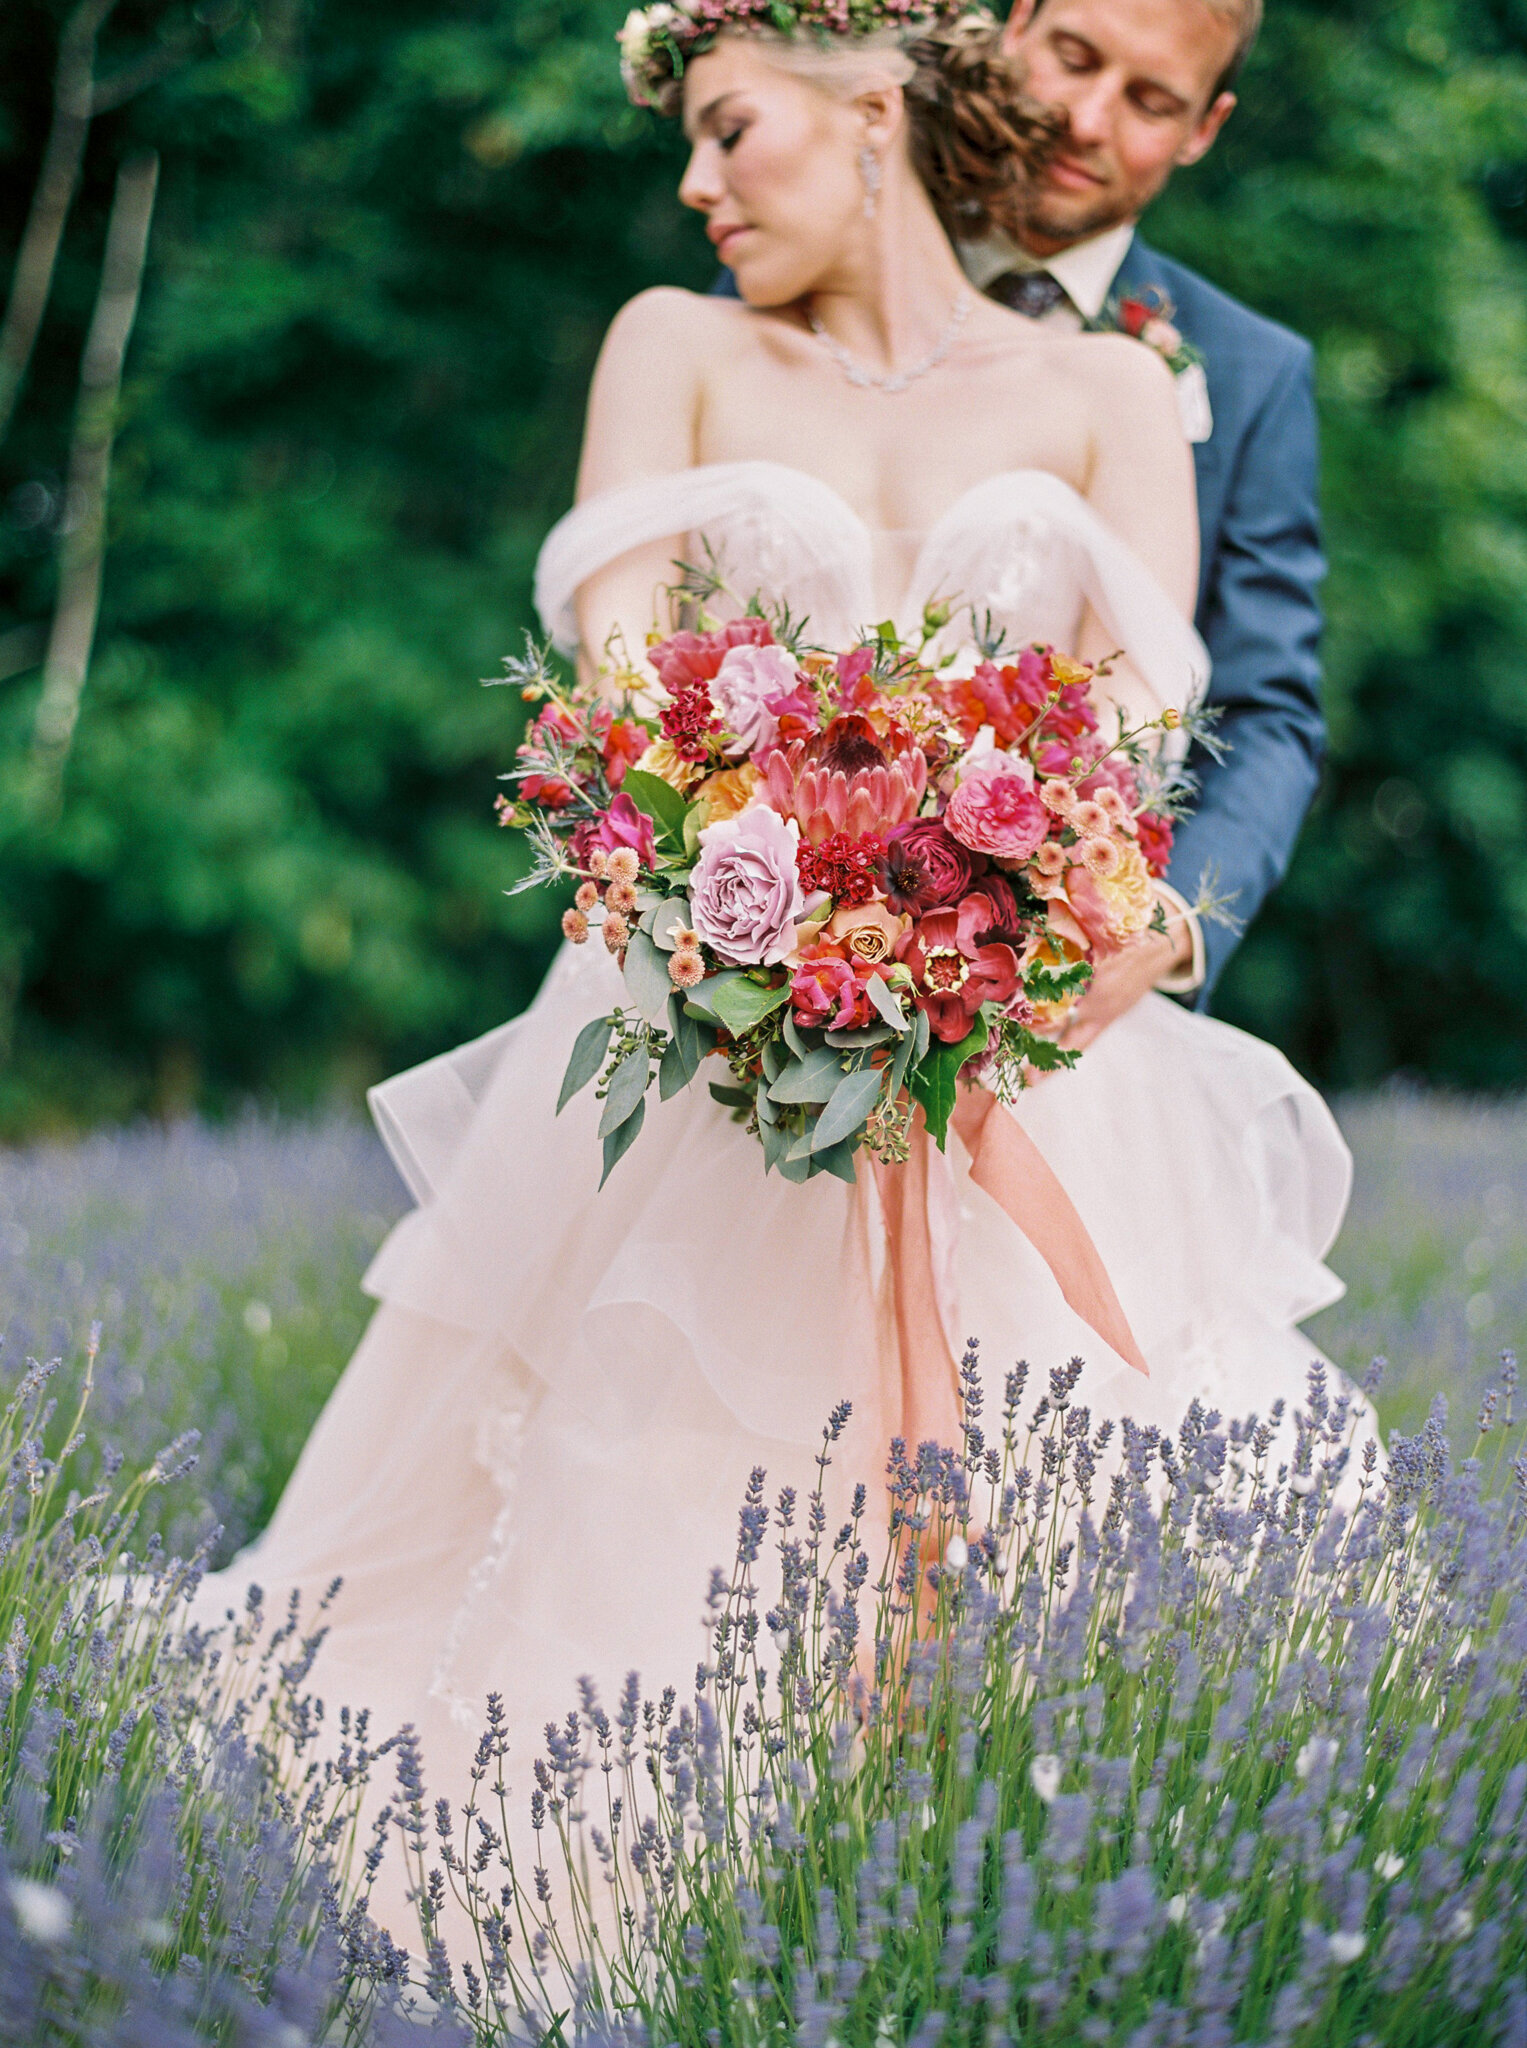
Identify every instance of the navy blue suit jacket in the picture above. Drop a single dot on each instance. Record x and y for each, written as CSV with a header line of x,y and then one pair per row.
x,y
1258,604
1258,596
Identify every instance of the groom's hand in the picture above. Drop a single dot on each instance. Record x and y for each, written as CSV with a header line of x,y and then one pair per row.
x,y
1119,982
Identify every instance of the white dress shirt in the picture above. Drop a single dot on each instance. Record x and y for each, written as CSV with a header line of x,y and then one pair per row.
x,y
1085,272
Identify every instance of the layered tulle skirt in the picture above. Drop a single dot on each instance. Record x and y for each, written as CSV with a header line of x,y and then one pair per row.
x,y
538,1452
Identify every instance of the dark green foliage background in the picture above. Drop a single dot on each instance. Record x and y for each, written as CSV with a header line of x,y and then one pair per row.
x,y
389,238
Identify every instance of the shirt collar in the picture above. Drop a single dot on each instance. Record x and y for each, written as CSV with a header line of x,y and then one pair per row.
x,y
1085,271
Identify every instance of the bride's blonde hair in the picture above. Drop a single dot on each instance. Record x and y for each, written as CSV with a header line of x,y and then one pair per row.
x,y
975,135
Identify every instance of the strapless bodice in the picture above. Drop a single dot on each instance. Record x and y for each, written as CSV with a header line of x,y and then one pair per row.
x,y
1021,552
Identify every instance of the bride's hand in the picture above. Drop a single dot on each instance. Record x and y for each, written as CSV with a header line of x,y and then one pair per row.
x,y
1119,982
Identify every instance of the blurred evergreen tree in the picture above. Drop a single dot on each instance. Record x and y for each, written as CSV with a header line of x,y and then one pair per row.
x,y
389,238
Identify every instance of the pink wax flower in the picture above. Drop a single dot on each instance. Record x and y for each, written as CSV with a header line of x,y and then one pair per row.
x,y
997,811
622,825
745,892
747,684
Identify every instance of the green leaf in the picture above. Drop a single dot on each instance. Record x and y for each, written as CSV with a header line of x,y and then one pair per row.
x,y
793,1038
1043,1054
871,1034
795,1169
646,972
589,1049
700,1001
618,1142
731,1098
628,1084
743,1003
812,1079
688,1044
886,1003
660,921
838,1159
661,802
852,1100
1051,984
934,1080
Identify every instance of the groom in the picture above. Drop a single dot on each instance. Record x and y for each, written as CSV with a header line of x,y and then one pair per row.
x,y
1146,86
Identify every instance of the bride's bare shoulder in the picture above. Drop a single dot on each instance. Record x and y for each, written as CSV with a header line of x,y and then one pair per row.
x,y
1121,375
667,319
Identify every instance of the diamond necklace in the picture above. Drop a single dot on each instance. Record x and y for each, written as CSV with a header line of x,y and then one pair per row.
x,y
892,381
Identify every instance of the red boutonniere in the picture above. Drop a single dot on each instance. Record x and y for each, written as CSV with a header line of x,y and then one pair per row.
x,y
1150,316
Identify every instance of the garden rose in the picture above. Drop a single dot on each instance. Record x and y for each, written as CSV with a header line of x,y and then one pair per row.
x,y
748,678
868,932
925,866
664,761
729,792
829,992
1100,913
685,659
745,894
953,972
999,812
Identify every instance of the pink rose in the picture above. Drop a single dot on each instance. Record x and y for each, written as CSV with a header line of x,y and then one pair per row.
x,y
996,810
746,892
925,867
830,992
622,825
748,678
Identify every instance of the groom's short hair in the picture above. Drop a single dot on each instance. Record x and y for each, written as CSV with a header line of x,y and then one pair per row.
x,y
1247,16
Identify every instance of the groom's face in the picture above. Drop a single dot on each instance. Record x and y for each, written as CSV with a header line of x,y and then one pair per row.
x,y
1136,81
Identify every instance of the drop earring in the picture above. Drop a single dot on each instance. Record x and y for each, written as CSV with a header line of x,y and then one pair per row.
x,y
869,171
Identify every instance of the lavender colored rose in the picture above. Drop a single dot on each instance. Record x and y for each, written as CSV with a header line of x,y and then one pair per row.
x,y
748,679
746,892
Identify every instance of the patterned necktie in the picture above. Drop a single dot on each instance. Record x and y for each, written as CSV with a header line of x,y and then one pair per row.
x,y
1031,292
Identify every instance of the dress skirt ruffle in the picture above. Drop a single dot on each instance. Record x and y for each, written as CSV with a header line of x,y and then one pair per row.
x,y
538,1452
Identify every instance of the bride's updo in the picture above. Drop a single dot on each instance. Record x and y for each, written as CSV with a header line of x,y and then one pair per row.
x,y
974,132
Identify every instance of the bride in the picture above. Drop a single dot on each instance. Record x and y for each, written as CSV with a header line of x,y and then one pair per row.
x,y
538,1451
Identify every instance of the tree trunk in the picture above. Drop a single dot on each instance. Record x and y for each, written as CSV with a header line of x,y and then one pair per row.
x,y
83,545
73,105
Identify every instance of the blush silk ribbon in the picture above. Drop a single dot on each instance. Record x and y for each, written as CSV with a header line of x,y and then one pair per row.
x,y
917,1210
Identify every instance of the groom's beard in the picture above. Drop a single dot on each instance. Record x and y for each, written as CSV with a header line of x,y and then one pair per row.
x,y
1074,216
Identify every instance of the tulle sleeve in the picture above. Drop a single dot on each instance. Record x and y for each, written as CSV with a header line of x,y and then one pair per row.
x,y
776,533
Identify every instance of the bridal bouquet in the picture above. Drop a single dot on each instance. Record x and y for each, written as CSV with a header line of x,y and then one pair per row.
x,y
851,875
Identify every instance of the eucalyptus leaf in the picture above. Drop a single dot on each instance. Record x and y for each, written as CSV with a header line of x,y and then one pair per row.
x,y
804,1143
776,1058
701,999
793,1037
628,1084
886,1003
589,1049
812,1079
646,972
795,1169
838,1159
672,911
731,1098
742,1003
776,1143
688,1044
871,1034
619,1141
853,1099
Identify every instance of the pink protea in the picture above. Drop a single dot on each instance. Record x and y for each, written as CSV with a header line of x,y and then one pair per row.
x,y
846,779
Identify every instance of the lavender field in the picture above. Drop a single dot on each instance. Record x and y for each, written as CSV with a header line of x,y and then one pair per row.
x,y
223,1267
1247,1765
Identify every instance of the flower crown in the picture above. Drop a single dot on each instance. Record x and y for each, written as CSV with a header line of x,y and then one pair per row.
x,y
656,42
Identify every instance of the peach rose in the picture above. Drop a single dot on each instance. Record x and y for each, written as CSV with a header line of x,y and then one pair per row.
x,y
729,791
661,760
870,932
